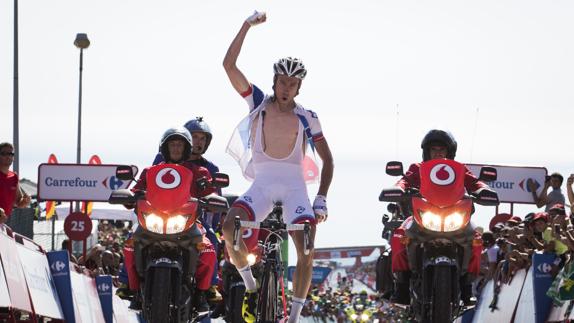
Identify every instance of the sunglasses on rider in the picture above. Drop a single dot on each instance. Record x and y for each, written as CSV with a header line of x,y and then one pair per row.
x,y
7,154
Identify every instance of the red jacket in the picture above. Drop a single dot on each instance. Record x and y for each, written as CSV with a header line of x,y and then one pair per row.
x,y
412,179
198,172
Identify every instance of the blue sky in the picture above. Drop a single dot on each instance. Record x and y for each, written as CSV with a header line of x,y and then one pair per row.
x,y
498,74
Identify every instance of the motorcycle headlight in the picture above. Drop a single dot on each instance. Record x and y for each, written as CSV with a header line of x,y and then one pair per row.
x,y
175,224
154,223
431,221
453,222
364,317
354,316
251,258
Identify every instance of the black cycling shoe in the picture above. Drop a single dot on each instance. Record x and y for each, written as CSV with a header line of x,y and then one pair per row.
x,y
466,295
201,305
402,294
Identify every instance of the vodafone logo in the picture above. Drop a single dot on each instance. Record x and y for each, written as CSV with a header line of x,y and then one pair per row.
x,y
168,178
442,174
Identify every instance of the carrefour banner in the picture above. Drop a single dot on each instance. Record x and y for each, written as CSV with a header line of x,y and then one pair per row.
x,y
542,279
319,274
105,288
78,182
512,182
59,263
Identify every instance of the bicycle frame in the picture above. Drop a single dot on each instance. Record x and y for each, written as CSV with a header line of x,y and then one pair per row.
x,y
267,307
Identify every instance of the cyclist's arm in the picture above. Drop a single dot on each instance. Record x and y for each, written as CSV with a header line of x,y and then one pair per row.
x,y
238,80
324,152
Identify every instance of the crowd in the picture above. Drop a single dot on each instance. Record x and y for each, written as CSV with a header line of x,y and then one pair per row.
x,y
511,242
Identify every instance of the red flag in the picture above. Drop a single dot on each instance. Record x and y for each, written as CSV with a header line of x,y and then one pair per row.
x,y
51,205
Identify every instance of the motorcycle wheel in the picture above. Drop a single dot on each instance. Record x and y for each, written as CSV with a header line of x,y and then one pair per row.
x,y
160,297
236,303
442,286
268,303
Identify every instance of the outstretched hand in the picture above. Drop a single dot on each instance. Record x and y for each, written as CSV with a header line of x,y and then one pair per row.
x,y
320,208
256,18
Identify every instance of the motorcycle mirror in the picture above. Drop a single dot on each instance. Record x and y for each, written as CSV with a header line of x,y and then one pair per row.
x,y
394,168
391,195
385,218
122,197
488,174
125,173
214,203
220,180
392,208
487,198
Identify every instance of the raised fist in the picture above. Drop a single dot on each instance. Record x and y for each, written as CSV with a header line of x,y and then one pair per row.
x,y
256,18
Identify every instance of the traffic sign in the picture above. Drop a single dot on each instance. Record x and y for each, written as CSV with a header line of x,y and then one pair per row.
x,y
77,226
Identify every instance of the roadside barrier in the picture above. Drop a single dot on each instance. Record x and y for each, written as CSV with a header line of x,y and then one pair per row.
x,y
34,283
523,298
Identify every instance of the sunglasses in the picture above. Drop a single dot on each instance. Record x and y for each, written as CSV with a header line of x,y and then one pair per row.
x,y
7,154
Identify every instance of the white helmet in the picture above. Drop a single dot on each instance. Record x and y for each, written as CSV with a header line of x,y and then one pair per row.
x,y
290,67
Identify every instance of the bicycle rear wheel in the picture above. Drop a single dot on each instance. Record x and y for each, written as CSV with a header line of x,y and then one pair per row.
x,y
267,310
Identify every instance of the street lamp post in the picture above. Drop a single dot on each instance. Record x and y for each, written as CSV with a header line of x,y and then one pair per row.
x,y
82,42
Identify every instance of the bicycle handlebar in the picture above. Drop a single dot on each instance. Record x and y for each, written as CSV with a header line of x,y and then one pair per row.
x,y
274,227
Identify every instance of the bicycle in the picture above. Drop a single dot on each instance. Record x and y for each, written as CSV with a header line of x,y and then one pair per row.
x,y
272,278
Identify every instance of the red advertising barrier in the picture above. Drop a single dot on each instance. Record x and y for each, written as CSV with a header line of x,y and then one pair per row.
x,y
12,269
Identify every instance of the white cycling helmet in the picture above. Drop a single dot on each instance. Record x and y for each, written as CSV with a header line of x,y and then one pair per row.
x,y
290,66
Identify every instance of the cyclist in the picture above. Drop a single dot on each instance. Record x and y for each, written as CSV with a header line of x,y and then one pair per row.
x,y
436,144
277,128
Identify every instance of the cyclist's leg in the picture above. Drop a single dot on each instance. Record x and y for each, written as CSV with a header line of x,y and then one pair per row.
x,y
249,207
298,209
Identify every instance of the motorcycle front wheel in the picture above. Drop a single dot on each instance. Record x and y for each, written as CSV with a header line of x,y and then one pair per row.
x,y
160,296
441,295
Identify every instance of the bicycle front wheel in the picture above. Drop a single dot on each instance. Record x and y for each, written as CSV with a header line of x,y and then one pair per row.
x,y
268,298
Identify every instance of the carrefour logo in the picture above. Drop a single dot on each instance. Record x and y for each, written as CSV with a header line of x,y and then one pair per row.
x,y
75,182
544,268
114,183
58,266
104,287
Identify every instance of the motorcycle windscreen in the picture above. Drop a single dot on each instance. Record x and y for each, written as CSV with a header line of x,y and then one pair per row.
x,y
168,186
442,181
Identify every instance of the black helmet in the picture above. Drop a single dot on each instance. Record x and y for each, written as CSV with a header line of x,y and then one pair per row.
x,y
198,125
171,134
438,138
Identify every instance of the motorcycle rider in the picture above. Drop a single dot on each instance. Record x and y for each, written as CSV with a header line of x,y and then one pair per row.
x,y
201,136
176,148
436,144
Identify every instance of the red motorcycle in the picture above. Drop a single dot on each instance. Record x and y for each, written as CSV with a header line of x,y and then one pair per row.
x,y
439,234
167,239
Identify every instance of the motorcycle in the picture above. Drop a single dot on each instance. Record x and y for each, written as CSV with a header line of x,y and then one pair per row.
x,y
439,234
168,238
358,312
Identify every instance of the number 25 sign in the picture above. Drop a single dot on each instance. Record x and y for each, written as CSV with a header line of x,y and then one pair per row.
x,y
77,226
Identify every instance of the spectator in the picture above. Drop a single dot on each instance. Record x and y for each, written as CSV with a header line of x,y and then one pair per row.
x,y
491,255
10,192
548,199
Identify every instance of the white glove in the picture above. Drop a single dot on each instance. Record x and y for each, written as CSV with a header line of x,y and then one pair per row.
x,y
320,206
256,18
